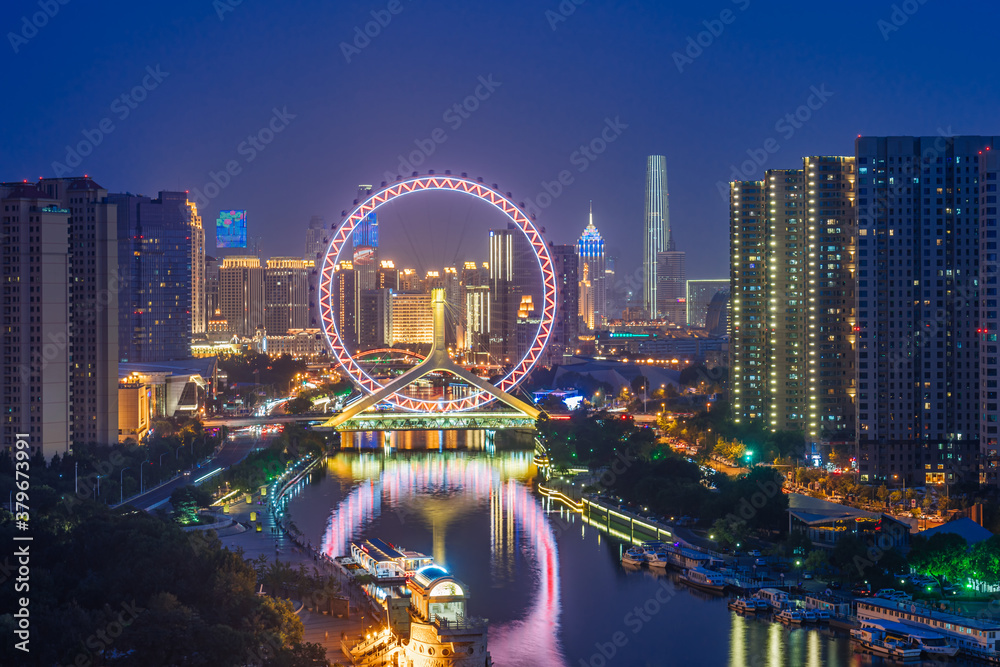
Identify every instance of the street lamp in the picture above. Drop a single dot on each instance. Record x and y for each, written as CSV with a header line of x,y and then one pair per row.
x,y
121,486
749,458
140,473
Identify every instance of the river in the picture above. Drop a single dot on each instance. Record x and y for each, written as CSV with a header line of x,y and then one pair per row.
x,y
553,588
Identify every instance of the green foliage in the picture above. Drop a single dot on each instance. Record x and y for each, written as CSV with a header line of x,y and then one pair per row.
x,y
187,500
943,555
183,598
298,405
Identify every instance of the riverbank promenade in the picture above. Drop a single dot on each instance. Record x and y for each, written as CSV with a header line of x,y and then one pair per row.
x,y
274,543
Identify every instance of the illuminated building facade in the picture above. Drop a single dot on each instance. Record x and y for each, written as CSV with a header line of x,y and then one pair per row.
x,y
286,293
592,299
791,300
241,294
161,264
656,230
918,308
411,319
365,244
671,286
347,303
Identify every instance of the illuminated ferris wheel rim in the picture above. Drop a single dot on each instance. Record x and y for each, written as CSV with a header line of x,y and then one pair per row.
x,y
431,183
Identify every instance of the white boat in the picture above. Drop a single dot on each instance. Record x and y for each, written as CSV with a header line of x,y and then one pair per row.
x,y
777,599
743,605
762,605
877,641
633,556
658,560
930,643
709,580
790,616
822,615
809,616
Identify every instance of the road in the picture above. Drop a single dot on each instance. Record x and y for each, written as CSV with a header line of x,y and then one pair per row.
x,y
232,452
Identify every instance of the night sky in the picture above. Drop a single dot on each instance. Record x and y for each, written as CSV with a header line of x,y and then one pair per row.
x,y
215,73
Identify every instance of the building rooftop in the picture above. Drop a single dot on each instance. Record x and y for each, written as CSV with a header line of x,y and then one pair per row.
x,y
427,575
927,612
815,510
967,528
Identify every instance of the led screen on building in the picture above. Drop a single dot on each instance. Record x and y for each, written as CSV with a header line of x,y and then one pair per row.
x,y
231,229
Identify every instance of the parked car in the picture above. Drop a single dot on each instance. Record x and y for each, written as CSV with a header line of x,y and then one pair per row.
x,y
755,553
900,596
886,593
861,591
835,585
807,574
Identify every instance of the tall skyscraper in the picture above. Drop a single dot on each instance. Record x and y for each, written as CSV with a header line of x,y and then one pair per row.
x,y
159,254
477,323
199,316
316,238
989,323
374,319
791,299
365,243
347,304
592,299
211,287
241,294
656,231
36,375
504,297
286,295
919,244
748,299
671,286
566,328
93,262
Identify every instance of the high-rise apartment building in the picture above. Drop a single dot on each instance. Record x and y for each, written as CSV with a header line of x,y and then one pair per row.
x,y
748,299
241,294
374,319
161,264
791,300
93,262
286,294
36,323
592,298
831,191
989,323
656,230
211,287
566,328
671,286
918,354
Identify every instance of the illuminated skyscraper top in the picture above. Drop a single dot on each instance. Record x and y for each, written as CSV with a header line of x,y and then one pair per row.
x,y
656,236
592,300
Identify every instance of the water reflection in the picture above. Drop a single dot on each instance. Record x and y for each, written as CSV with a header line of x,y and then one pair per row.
x,y
439,490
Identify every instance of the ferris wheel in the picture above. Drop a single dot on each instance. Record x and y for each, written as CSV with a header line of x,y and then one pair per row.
x,y
432,183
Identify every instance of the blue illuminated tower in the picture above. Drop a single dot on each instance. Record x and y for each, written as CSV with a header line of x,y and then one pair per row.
x,y
593,292
366,245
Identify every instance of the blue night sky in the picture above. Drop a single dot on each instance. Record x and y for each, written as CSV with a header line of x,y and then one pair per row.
x,y
218,81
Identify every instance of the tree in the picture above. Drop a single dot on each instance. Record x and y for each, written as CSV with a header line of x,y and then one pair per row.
x,y
187,500
882,493
816,560
927,503
895,497
943,555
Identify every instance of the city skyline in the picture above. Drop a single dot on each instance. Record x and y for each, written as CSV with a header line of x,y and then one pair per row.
x,y
302,156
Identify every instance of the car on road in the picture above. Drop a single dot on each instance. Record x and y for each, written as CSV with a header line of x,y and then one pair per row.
x,y
187,473
807,574
861,592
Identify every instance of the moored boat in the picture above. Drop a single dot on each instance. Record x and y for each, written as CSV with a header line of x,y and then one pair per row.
x,y
743,605
877,641
708,580
633,556
930,643
658,560
793,616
